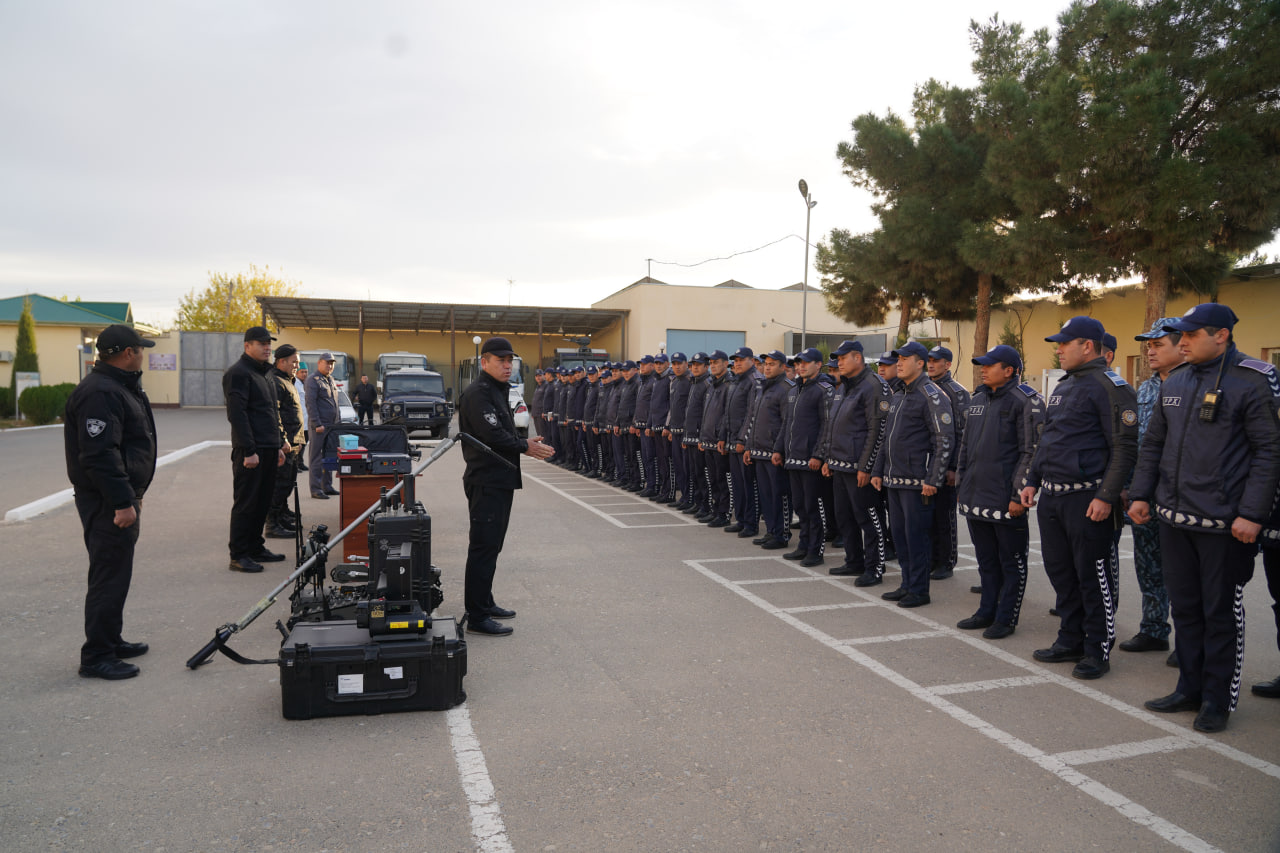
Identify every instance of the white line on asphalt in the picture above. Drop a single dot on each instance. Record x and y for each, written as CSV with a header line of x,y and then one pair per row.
x,y
487,828
1127,750
892,638
778,580
992,684
846,605
1170,832
615,522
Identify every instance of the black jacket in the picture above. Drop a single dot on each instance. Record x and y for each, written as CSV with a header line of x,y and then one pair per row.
x,y
764,419
644,394
1090,438
797,440
999,443
853,425
365,394
1203,475
693,409
741,392
660,402
484,412
715,408
627,402
959,397
679,403
110,436
290,407
252,406
918,437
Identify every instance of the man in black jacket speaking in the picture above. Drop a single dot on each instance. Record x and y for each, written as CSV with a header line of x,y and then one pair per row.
x,y
110,439
483,412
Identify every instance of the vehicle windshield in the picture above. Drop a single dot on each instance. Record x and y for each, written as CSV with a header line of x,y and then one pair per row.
x,y
399,385
401,362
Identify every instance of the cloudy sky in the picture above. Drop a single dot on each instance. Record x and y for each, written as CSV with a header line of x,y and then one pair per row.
x,y
436,151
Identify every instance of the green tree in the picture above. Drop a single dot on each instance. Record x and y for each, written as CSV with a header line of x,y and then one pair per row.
x,y
25,359
229,304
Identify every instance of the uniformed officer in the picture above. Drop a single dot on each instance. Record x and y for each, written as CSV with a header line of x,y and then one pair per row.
x,y
699,493
625,443
1086,454
535,401
887,369
322,414
485,412
763,424
574,411
281,522
681,382
852,437
711,440
743,495
640,427
1210,463
944,503
612,434
796,451
1163,357
913,466
1270,538
590,437
258,448
1005,419
659,411
110,441
607,401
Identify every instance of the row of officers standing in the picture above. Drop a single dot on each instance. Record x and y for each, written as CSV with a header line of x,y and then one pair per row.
x,y
880,462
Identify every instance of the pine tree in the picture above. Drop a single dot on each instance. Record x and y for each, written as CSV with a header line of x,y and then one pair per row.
x,y
25,359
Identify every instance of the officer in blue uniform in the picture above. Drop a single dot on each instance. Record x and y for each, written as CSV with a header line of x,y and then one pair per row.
x,y
659,410
919,440
673,431
625,445
887,369
852,438
1210,464
1086,454
744,495
574,408
945,542
1005,419
591,438
699,494
760,433
1270,538
599,426
796,450
711,440
647,455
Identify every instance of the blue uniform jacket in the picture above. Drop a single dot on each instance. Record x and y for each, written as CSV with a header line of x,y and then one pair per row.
x,y
715,408
741,392
693,410
644,394
853,425
999,443
918,437
958,395
680,386
764,421
797,440
660,401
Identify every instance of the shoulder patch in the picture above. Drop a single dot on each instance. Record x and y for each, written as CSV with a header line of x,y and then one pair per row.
x,y
1129,417
932,390
1116,378
1028,390
1262,367
94,427
492,418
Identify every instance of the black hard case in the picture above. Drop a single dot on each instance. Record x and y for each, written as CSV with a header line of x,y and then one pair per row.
x,y
331,669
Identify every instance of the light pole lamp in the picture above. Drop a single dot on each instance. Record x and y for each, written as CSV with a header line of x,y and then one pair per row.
x,y
476,340
804,299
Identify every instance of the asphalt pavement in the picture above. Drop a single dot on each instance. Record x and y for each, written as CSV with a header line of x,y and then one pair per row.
x,y
668,688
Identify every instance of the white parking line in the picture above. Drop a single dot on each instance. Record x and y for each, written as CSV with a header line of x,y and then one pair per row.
x,y
678,520
1116,751
992,684
892,638
487,828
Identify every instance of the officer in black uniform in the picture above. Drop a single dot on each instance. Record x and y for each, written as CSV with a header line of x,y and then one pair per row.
x,y
1086,453
944,503
281,522
760,434
1005,420
110,441
647,454
852,438
673,431
591,438
711,439
699,495
744,494
626,444
796,450
659,410
258,448
1210,463
600,426
484,412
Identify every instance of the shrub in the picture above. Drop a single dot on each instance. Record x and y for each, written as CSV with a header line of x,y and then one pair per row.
x,y
6,402
43,404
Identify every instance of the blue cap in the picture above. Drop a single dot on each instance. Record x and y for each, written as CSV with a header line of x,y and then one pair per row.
x,y
1205,314
1157,329
539,372
579,369
846,347
646,359
831,362
1109,341
591,371
809,354
776,355
912,348
1004,354
660,358
678,357
941,353
717,353
606,373
628,365
699,358
887,358
743,352
1079,327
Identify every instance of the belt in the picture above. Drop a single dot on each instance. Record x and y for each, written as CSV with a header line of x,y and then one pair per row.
x,y
1183,519
1064,488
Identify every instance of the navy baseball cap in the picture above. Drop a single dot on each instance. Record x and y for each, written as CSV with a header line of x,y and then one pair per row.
x,y
606,373
579,369
1157,329
887,358
645,359
1002,354
846,347
718,353
1205,314
776,355
1109,341
679,357
699,358
1079,327
832,362
628,365
809,354
660,358
538,372
912,348
743,352
591,371
941,353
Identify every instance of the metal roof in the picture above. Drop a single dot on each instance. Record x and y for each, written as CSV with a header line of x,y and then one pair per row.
x,y
55,312
338,314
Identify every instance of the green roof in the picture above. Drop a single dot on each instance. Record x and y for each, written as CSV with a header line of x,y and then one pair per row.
x,y
55,312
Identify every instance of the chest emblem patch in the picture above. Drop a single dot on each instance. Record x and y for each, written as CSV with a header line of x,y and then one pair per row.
x,y
94,427
491,418
1129,417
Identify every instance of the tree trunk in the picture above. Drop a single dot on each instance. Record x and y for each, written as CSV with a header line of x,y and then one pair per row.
x,y
904,321
982,323
1157,298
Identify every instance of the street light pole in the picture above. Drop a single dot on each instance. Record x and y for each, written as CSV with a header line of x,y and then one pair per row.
x,y
804,302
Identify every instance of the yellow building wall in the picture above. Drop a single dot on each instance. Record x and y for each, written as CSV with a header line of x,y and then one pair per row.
x,y
163,385
57,347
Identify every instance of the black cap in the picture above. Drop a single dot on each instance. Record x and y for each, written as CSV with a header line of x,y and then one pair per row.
x,y
497,346
118,338
259,334
285,350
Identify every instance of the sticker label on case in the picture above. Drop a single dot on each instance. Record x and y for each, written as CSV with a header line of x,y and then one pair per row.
x,y
352,683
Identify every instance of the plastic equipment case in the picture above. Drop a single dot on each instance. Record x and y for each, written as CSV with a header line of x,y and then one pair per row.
x,y
331,669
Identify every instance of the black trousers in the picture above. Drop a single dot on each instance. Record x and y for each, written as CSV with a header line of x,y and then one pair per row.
x,y
696,467
944,529
490,512
679,468
1271,565
1205,574
648,461
743,492
718,481
912,519
591,450
857,518
806,489
110,571
770,479
364,412
1077,559
251,490
286,480
1001,551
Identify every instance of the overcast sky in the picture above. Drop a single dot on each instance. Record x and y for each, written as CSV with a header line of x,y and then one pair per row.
x,y
432,152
